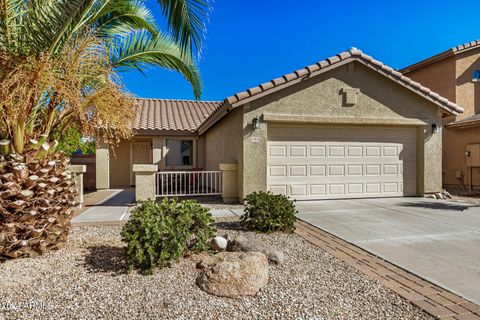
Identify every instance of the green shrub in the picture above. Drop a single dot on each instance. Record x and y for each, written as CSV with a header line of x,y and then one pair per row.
x,y
267,212
161,232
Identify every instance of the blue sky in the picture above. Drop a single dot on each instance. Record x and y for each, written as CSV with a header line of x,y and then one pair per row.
x,y
252,41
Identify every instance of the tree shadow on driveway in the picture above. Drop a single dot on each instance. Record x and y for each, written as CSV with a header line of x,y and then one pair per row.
x,y
440,205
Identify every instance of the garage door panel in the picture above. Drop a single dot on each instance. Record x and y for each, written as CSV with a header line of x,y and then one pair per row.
x,y
318,189
317,151
337,189
391,187
298,190
355,151
278,171
298,151
336,170
342,163
278,189
355,188
336,151
318,170
277,151
298,171
355,170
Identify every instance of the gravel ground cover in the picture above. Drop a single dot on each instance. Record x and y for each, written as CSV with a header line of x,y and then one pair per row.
x,y
470,197
86,280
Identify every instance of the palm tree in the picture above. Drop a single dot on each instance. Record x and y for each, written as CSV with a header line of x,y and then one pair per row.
x,y
57,68
126,26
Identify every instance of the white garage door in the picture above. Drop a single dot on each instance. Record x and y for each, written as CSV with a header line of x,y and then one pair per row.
x,y
335,162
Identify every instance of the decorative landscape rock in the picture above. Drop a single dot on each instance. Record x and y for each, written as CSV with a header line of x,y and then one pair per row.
x,y
233,274
218,243
254,245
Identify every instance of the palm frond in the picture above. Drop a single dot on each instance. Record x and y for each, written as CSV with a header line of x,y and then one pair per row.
x,y
140,49
11,12
46,22
186,21
123,16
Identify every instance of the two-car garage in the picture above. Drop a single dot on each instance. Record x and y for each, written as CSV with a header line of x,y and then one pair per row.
x,y
346,127
315,162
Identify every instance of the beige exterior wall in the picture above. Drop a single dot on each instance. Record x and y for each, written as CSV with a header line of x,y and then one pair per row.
x,y
467,91
120,165
455,144
121,158
439,77
321,98
102,163
201,152
223,143
456,140
452,78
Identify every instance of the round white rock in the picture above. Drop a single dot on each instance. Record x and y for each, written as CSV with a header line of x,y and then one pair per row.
x,y
219,243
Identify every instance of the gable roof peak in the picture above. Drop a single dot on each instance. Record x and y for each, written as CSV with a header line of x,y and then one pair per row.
x,y
353,54
442,56
355,51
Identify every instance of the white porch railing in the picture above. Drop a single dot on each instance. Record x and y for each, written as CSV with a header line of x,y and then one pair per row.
x,y
188,183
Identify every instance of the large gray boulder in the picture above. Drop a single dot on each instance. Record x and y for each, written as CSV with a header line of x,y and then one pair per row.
x,y
233,274
241,243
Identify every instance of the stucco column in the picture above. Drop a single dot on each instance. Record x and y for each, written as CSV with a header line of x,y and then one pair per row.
x,y
144,181
78,171
102,164
157,148
229,181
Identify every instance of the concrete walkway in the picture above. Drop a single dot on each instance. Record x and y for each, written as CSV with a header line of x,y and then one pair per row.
x,y
116,205
435,239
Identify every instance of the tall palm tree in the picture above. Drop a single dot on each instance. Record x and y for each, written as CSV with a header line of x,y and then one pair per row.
x,y
57,62
126,26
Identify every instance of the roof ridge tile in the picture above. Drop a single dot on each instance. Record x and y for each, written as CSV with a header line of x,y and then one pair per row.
x,y
354,54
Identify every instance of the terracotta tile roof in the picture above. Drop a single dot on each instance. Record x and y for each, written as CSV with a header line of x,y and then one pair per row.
x,y
466,122
175,116
332,62
441,56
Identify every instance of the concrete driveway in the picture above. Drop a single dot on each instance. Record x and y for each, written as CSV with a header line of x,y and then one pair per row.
x,y
435,239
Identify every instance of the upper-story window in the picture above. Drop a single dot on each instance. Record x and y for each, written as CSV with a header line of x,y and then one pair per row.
x,y
476,75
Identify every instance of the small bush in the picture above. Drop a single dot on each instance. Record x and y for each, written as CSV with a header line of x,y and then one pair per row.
x,y
267,212
161,232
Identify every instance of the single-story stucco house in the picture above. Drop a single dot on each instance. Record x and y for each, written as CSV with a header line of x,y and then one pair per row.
x,y
345,127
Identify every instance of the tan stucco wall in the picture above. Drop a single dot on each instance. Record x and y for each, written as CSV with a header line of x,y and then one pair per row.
x,y
121,158
455,141
120,165
201,152
102,163
455,144
223,143
468,92
439,77
452,78
379,97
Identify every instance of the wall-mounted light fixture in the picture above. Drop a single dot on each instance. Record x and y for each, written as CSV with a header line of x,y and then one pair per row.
x,y
256,123
435,128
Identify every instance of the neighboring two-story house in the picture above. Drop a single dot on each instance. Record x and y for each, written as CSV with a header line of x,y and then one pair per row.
x,y
455,74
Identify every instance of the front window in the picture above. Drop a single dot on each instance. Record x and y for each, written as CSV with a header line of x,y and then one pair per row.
x,y
180,153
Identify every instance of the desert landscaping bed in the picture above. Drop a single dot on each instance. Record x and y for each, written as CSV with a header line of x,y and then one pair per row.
x,y
86,279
